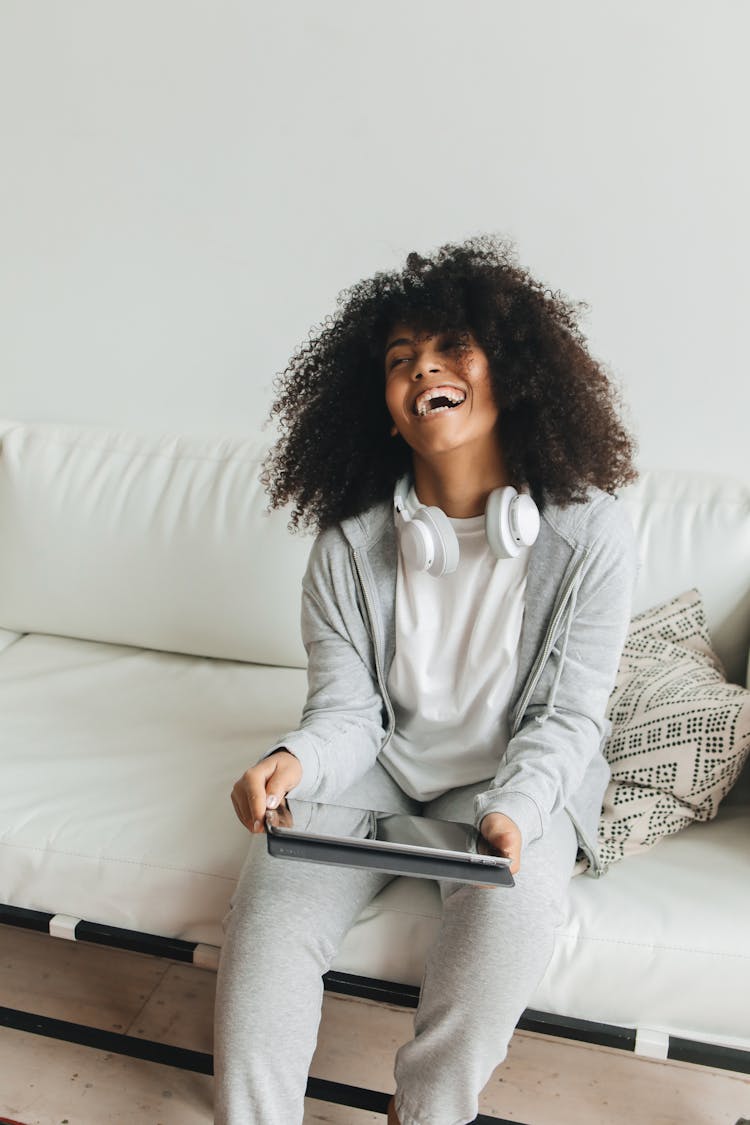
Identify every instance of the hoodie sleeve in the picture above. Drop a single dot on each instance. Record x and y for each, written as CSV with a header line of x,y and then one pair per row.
x,y
565,725
342,726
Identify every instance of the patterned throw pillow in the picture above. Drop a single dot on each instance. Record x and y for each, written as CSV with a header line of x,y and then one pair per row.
x,y
680,732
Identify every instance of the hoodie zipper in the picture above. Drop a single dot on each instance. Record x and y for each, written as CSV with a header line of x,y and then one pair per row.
x,y
529,687
546,647
531,683
374,634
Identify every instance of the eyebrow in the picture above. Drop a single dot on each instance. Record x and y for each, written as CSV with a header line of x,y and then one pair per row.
x,y
395,343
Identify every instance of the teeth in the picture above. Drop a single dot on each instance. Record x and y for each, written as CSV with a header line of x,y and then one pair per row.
x,y
422,404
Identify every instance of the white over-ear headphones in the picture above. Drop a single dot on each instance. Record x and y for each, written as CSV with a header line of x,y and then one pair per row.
x,y
429,543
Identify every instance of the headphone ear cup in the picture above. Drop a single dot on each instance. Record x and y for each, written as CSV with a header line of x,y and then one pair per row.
x,y
524,520
429,542
511,522
444,539
416,544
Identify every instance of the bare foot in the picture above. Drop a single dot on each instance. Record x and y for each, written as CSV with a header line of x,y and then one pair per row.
x,y
392,1115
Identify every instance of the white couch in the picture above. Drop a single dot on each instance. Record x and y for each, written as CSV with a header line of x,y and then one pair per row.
x,y
150,653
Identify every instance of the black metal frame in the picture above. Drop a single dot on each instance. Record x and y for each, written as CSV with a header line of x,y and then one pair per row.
x,y
355,1097
367,988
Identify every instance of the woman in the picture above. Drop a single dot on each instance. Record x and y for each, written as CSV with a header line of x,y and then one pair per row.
x,y
471,687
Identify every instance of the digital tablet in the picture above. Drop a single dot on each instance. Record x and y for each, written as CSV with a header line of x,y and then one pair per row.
x,y
396,843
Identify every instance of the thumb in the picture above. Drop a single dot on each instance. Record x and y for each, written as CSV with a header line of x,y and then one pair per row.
x,y
284,777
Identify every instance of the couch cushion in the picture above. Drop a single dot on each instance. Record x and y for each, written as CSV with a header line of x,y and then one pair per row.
x,y
118,764
159,542
659,942
131,756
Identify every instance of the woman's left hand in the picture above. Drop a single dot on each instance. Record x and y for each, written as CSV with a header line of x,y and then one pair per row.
x,y
504,836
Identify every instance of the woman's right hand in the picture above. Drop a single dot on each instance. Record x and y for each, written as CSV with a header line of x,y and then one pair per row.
x,y
264,787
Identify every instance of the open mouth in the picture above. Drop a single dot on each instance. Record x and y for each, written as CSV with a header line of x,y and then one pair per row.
x,y
438,399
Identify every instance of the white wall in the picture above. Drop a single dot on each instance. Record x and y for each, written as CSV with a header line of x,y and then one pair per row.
x,y
186,186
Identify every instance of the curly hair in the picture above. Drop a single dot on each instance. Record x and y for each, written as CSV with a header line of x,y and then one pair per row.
x,y
558,426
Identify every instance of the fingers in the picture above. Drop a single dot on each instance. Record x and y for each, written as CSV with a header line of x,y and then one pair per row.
x,y
241,803
512,851
278,785
264,787
247,801
256,793
503,835
508,847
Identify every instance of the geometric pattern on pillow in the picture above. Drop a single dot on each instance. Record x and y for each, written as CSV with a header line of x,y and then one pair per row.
x,y
680,732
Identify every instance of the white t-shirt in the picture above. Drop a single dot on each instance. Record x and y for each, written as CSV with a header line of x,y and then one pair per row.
x,y
455,665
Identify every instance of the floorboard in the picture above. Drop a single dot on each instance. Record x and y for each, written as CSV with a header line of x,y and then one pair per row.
x,y
544,1081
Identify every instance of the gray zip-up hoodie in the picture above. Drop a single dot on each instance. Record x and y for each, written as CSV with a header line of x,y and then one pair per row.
x,y
578,603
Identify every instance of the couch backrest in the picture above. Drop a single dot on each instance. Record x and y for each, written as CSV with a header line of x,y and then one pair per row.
x,y
164,542
158,542
693,530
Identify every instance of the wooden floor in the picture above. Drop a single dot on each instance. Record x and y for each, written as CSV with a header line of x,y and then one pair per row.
x,y
544,1081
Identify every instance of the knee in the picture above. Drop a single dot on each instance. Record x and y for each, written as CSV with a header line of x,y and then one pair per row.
x,y
495,916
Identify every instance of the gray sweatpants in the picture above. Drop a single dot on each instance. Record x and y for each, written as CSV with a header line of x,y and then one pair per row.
x,y
285,924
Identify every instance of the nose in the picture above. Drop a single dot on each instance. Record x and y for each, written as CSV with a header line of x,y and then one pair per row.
x,y
427,360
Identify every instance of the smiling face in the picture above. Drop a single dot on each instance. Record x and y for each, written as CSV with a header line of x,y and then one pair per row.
x,y
438,392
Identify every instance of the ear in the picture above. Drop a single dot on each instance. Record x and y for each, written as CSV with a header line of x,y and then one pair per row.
x,y
394,431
